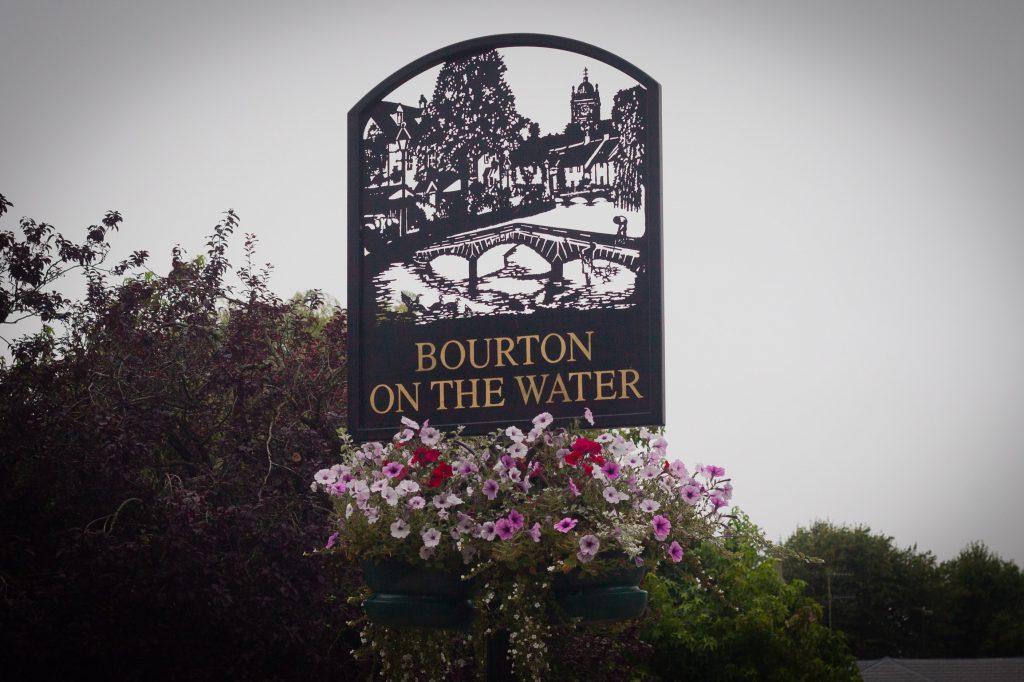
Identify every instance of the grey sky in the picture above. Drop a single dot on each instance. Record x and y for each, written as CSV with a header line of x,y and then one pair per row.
x,y
844,208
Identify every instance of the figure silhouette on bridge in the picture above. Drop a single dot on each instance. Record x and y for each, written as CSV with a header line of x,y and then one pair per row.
x,y
620,234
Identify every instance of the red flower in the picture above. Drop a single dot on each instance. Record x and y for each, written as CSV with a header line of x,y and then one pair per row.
x,y
573,458
440,472
424,456
597,459
586,446
588,470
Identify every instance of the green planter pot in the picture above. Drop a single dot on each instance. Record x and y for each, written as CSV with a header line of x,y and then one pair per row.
x,y
406,595
613,596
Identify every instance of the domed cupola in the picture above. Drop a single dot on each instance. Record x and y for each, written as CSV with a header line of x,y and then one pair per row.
x,y
585,103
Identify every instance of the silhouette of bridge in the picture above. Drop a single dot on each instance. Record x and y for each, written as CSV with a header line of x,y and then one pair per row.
x,y
555,245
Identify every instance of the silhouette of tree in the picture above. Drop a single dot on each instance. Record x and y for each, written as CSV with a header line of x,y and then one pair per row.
x,y
472,114
629,116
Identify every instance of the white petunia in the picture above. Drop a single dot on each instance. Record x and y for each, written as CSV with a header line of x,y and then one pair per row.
x,y
325,476
399,529
431,537
390,495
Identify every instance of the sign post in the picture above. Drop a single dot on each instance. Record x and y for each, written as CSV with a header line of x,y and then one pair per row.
x,y
505,239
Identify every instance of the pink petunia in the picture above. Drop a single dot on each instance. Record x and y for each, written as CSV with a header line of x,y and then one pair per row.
x,y
504,529
675,552
565,525
490,489
662,527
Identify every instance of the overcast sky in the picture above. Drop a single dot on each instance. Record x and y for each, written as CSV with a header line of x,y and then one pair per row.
x,y
844,208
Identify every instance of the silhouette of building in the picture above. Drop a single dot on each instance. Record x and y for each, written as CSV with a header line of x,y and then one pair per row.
x,y
585,104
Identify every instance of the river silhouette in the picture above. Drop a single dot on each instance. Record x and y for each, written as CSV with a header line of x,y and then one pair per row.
x,y
518,283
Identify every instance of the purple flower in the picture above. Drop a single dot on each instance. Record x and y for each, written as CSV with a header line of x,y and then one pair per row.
x,y
675,552
535,532
678,469
639,561
725,491
718,502
714,472
610,469
572,488
416,502
613,496
490,489
487,530
331,541
584,557
590,544
565,525
338,488
650,506
661,526
504,529
690,494
517,519
392,469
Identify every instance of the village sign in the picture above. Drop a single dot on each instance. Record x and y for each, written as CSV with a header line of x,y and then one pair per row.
x,y
504,253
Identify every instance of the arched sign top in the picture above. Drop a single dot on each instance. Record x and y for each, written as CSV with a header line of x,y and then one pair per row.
x,y
505,239
501,40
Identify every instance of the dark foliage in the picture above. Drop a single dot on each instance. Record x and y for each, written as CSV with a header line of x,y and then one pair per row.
x,y
155,462
903,603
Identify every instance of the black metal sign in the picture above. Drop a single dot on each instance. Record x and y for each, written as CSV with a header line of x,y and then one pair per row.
x,y
505,239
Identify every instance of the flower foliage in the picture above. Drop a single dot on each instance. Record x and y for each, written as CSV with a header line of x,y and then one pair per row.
x,y
513,504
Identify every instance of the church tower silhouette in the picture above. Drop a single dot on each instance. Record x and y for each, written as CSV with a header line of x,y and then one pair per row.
x,y
585,104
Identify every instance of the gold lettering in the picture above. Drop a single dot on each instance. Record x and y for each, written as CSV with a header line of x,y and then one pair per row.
x,y
460,393
373,399
544,349
503,346
403,392
558,386
603,384
492,391
579,376
441,385
444,354
472,353
575,341
421,356
629,385
529,348
532,392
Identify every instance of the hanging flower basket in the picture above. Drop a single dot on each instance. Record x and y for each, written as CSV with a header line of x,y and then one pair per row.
x,y
406,595
553,524
615,595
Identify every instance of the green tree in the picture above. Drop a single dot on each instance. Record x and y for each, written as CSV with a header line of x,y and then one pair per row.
x,y
472,113
984,600
741,621
884,598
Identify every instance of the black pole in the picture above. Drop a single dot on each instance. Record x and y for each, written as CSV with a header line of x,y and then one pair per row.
x,y
499,665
